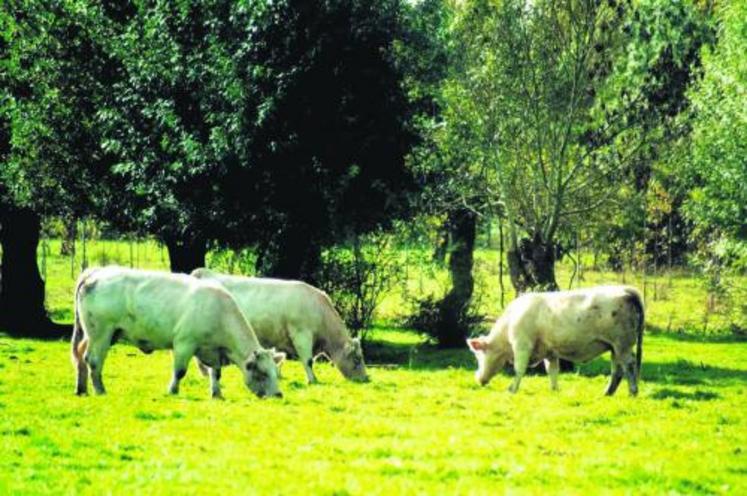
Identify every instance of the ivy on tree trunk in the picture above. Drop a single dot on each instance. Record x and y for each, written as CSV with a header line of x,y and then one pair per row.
x,y
186,255
22,310
455,326
296,256
531,264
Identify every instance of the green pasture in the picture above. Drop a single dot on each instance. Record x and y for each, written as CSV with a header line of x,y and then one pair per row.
x,y
422,426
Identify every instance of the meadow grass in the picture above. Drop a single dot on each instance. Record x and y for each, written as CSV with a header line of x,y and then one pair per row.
x,y
422,426
676,301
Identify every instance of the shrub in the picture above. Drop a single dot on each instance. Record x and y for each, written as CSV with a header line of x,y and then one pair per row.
x,y
358,275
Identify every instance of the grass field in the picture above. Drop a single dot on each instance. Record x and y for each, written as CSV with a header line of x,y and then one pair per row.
x,y
422,426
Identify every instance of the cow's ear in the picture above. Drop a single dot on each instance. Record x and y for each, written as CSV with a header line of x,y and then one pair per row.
x,y
278,356
477,344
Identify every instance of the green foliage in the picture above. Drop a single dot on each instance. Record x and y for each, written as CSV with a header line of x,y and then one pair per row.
x,y
55,77
173,121
717,162
357,277
252,123
422,426
330,129
639,114
434,319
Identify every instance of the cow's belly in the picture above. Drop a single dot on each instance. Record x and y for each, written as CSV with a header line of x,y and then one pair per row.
x,y
147,338
272,333
581,352
213,356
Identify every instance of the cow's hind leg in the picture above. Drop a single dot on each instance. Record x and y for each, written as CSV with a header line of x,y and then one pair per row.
x,y
304,350
615,377
552,366
521,362
95,357
183,353
630,374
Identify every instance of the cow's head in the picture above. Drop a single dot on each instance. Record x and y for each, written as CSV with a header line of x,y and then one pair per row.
x,y
490,358
261,372
350,361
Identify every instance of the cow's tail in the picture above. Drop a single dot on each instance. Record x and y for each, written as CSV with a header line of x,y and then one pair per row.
x,y
635,299
78,342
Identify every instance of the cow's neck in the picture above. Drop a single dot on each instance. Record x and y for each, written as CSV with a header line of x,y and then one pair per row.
x,y
335,344
243,345
498,337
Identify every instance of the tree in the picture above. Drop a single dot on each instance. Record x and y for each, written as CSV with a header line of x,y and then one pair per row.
x,y
570,97
280,125
210,122
454,186
22,308
717,164
329,131
532,71
173,122
647,89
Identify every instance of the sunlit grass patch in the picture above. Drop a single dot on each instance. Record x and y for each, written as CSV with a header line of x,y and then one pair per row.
x,y
421,426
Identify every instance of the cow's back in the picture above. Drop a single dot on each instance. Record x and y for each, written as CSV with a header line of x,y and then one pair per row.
x,y
145,305
577,324
277,308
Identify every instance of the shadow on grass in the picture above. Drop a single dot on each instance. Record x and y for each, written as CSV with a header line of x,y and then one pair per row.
x,y
428,357
697,395
423,356
681,372
726,336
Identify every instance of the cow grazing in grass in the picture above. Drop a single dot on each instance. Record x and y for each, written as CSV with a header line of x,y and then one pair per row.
x,y
294,317
158,310
574,325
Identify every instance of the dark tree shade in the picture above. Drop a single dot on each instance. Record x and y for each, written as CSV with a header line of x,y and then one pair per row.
x,y
22,310
330,130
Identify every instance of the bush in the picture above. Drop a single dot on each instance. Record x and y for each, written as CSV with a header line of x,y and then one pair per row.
x,y
436,319
357,277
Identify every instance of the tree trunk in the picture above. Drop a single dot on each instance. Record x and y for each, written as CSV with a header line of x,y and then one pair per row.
x,y
296,256
22,311
186,255
531,265
532,268
69,234
442,244
454,324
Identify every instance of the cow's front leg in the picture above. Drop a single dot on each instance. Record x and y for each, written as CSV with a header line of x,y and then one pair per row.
x,y
304,349
552,366
215,383
183,353
521,362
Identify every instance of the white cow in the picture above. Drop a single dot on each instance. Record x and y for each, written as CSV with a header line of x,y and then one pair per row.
x,y
294,317
158,310
574,325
